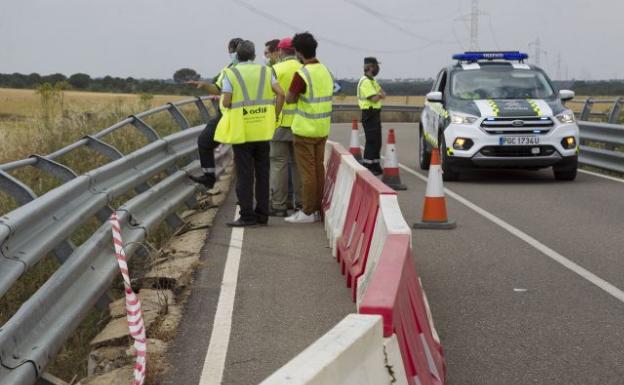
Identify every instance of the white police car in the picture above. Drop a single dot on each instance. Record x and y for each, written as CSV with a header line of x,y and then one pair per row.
x,y
491,110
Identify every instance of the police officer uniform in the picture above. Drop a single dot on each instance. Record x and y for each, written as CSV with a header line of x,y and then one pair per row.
x,y
371,118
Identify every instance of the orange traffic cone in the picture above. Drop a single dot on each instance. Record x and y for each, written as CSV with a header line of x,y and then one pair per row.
x,y
391,175
434,212
354,145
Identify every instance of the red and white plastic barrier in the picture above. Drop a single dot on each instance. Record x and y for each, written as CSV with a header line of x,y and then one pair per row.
x,y
354,243
133,306
389,222
340,176
373,242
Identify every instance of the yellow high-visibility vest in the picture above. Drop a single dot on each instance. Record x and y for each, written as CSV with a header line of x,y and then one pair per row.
x,y
314,107
251,116
368,87
284,72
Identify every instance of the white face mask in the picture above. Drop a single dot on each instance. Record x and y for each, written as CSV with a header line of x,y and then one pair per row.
x,y
233,57
267,61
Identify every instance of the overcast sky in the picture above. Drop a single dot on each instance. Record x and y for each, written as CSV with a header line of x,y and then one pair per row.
x,y
412,38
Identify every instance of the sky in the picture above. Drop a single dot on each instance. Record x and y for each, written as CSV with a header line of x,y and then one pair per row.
x,y
411,38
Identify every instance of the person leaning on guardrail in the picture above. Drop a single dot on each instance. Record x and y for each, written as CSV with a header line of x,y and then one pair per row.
x,y
282,150
205,142
248,124
312,89
369,95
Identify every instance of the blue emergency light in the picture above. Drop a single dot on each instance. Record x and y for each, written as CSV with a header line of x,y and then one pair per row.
x,y
472,56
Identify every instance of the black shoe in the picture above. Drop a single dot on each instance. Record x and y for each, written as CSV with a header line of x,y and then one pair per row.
x,y
207,180
376,170
282,213
242,223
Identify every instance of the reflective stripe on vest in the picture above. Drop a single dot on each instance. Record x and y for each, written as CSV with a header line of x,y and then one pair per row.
x,y
248,119
284,72
314,107
366,103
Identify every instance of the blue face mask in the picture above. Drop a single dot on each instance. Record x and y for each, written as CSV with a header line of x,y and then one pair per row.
x,y
234,58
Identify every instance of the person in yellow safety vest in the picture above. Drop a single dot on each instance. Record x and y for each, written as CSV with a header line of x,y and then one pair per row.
x,y
205,142
282,150
312,89
271,52
370,95
250,109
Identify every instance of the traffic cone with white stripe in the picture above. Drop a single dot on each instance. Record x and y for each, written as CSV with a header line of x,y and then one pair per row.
x,y
391,175
354,145
434,212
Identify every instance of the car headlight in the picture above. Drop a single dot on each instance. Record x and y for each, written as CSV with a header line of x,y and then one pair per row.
x,y
566,117
463,119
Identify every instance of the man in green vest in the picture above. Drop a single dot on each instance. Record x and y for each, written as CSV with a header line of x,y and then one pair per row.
x,y
370,95
312,89
205,141
282,150
248,97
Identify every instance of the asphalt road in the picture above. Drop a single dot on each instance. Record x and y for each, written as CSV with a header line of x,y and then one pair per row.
x,y
508,313
289,293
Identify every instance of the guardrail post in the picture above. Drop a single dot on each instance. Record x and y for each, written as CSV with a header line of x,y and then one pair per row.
x,y
144,128
203,111
614,115
587,107
178,116
60,171
16,189
103,148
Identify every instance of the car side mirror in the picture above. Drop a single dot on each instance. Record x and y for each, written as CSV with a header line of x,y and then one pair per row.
x,y
434,97
566,95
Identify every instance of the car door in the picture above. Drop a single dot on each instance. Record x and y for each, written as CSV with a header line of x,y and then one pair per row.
x,y
434,112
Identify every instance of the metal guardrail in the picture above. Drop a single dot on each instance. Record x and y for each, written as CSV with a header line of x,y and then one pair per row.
x,y
605,138
612,115
33,336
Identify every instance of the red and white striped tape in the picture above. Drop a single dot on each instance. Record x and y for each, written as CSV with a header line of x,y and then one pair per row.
x,y
133,306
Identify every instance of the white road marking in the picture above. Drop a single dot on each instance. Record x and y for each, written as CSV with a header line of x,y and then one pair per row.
x,y
612,178
588,275
214,363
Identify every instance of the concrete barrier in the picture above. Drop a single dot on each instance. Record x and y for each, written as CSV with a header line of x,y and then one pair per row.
x,y
352,353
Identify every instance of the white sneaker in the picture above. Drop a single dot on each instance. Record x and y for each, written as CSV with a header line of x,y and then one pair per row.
x,y
292,216
302,217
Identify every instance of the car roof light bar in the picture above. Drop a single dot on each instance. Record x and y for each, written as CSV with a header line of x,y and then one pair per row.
x,y
473,56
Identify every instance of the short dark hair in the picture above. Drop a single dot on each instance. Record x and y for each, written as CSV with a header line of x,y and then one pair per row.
x,y
246,51
272,45
233,44
305,44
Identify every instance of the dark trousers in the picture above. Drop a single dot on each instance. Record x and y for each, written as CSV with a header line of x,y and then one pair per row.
x,y
206,144
253,164
371,121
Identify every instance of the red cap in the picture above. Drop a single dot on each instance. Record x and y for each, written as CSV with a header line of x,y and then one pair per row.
x,y
285,43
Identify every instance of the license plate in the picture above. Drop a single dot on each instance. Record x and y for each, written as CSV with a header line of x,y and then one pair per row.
x,y
518,140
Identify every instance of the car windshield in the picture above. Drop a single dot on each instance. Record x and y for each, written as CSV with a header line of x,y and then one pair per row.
x,y
500,82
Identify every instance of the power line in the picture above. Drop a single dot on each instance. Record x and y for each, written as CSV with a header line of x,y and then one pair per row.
x,y
336,43
492,31
384,19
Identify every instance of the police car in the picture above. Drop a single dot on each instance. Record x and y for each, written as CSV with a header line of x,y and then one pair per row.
x,y
491,110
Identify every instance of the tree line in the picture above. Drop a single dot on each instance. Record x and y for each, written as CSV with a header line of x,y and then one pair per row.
x,y
176,86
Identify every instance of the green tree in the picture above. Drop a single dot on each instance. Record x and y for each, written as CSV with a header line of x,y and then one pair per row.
x,y
184,74
80,81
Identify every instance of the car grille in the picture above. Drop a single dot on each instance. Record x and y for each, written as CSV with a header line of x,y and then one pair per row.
x,y
518,125
516,151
